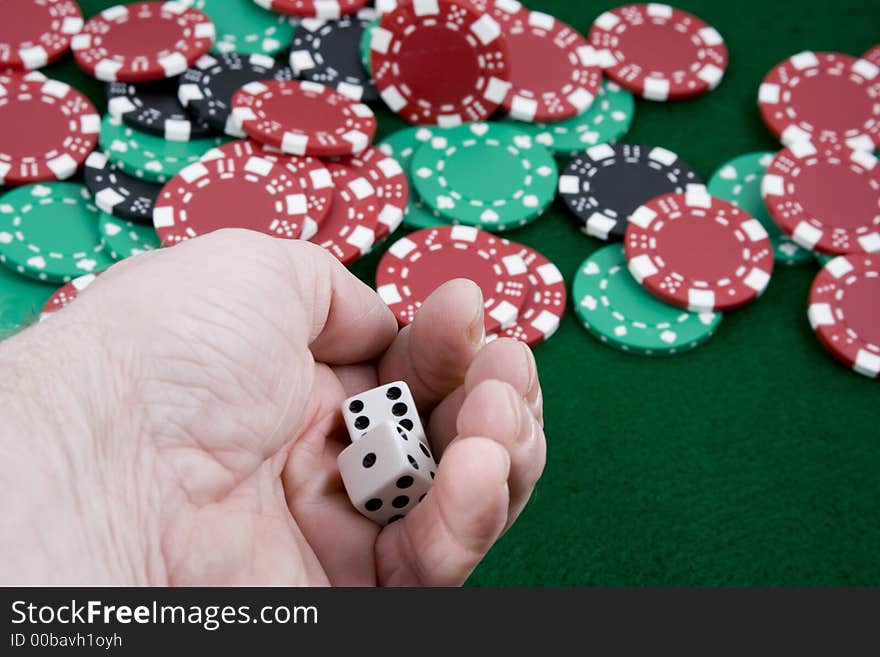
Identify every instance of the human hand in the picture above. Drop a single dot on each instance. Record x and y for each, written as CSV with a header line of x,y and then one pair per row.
x,y
179,425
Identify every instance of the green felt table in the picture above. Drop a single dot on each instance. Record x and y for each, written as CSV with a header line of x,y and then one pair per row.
x,y
754,460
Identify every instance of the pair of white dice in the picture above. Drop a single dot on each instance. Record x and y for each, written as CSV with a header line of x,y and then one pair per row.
x,y
388,468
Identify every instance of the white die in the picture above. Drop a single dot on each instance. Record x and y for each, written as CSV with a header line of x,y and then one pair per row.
x,y
392,402
386,472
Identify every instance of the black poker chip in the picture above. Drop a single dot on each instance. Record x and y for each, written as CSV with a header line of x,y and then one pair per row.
x,y
153,107
603,186
117,193
206,89
329,53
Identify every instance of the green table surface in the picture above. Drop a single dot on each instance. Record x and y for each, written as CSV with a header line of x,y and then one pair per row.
x,y
754,460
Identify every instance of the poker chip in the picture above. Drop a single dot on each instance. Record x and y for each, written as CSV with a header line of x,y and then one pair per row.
x,y
328,52
603,186
826,198
794,100
440,62
823,258
50,232
303,118
554,72
873,55
607,120
545,304
245,28
207,88
21,299
378,183
620,313
348,232
421,262
66,294
247,191
9,75
659,52
153,107
366,41
149,157
125,239
739,181
47,129
35,33
309,172
142,41
117,193
697,252
487,175
313,8
402,145
844,312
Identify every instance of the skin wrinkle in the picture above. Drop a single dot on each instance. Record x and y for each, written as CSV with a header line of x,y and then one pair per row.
x,y
210,395
86,497
129,487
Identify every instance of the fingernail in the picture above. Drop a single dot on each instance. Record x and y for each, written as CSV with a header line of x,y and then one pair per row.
x,y
534,388
477,328
515,402
531,364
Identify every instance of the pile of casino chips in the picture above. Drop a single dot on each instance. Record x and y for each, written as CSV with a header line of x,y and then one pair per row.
x,y
691,252
233,113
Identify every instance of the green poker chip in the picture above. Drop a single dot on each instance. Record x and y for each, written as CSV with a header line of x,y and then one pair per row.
x,y
246,28
619,312
21,299
607,120
150,157
50,232
367,43
125,239
739,182
402,145
488,175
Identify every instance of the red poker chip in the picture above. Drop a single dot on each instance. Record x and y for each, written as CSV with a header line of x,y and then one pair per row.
x,y
873,55
440,62
698,252
554,72
419,263
66,294
303,118
379,184
349,231
228,191
659,52
142,41
327,9
47,129
309,172
35,33
9,75
546,302
826,198
823,97
845,313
